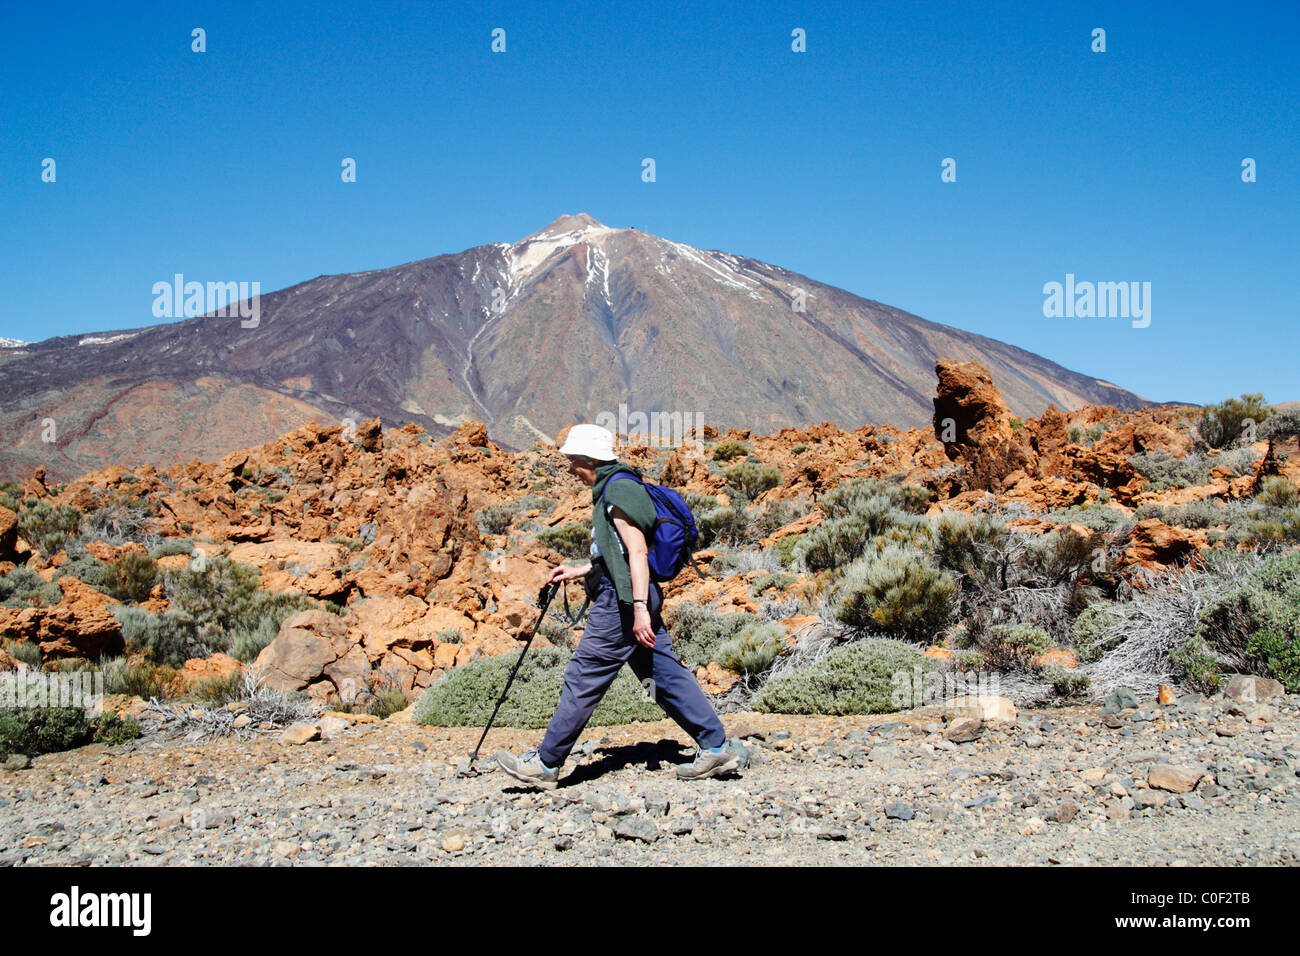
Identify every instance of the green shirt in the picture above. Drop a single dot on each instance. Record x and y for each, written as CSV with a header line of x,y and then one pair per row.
x,y
634,501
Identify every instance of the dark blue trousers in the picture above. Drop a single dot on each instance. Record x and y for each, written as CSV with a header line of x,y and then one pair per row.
x,y
607,644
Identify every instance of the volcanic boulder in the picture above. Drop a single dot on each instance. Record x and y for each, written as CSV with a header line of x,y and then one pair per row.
x,y
974,425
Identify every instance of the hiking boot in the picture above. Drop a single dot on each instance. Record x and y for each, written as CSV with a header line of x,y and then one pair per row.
x,y
712,763
529,768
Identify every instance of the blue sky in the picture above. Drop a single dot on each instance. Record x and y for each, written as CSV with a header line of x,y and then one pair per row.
x,y
1115,166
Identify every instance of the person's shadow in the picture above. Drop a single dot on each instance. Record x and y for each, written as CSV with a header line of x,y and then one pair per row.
x,y
652,756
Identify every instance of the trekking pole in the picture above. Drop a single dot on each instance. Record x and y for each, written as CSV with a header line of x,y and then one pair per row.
x,y
544,601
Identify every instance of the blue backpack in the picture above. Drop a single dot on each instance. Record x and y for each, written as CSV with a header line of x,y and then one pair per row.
x,y
674,537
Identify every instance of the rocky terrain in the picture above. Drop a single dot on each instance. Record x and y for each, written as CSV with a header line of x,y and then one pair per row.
x,y
1187,783
273,621
562,325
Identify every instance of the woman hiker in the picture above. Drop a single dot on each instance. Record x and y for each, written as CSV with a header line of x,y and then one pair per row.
x,y
624,626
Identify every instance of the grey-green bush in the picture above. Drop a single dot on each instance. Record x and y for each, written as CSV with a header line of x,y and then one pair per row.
x,y
698,631
729,525
895,592
25,588
864,677
465,696
845,497
752,479
573,540
753,649
837,541
1259,621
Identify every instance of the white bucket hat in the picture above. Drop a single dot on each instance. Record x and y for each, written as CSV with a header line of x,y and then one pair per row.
x,y
589,441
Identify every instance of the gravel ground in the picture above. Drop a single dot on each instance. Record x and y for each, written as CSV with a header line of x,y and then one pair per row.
x,y
1062,786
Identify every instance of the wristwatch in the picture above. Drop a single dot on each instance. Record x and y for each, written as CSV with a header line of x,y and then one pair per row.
x,y
640,601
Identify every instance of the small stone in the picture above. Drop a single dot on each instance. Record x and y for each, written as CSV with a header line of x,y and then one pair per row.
x,y
1120,699
298,734
899,811
453,842
333,726
985,801
636,827
1033,741
964,729
284,848
832,833
153,849
1034,825
1066,812
1248,687
1166,694
242,721
17,762
1175,779
1147,797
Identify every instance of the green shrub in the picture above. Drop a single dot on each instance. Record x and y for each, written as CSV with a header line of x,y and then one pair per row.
x,y
1233,421
1067,684
25,588
698,631
25,652
700,504
1096,517
1258,622
776,514
1197,665
131,576
896,592
1011,646
389,702
1281,426
217,691
572,540
1165,472
42,730
112,729
752,479
730,525
798,449
727,450
753,649
219,608
785,548
858,678
1060,556
847,496
961,543
779,581
496,519
176,546
465,696
145,680
48,527
1092,631
1277,492
837,541
86,568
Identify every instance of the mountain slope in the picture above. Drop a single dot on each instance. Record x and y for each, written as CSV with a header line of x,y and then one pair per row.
x,y
564,324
